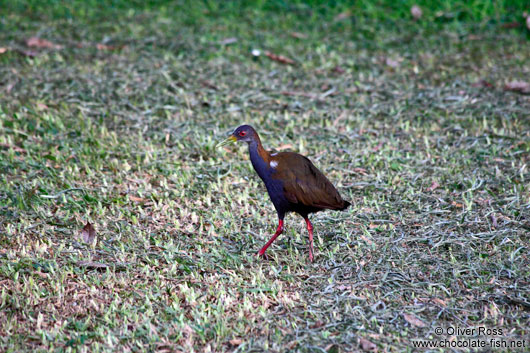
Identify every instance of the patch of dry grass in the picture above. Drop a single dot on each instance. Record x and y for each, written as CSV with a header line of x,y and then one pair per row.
x,y
434,160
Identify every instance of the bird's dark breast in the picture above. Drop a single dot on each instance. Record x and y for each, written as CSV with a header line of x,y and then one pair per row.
x,y
277,195
274,189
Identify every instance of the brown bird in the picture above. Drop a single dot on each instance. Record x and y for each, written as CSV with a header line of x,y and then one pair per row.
x,y
294,184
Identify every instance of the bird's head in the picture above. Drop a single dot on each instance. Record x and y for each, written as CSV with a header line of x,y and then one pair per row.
x,y
245,133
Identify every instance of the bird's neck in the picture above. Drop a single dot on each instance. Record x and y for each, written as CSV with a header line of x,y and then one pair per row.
x,y
260,158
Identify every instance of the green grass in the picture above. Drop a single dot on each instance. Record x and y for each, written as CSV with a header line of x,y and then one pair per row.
x,y
436,166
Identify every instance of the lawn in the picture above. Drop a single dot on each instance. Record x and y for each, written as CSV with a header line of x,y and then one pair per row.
x,y
110,116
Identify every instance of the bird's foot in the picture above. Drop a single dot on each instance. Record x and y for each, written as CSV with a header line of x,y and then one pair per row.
x,y
262,255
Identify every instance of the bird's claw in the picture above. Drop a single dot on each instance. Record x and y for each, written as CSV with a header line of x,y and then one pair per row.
x,y
263,256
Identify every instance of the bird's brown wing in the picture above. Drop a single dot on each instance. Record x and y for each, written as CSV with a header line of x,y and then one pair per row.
x,y
304,183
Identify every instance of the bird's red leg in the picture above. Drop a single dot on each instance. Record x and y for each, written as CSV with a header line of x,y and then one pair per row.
x,y
310,230
279,231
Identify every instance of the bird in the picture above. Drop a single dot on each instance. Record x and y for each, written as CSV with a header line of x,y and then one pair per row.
x,y
293,183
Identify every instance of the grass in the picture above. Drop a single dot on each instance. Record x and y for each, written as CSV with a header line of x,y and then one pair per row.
x,y
400,115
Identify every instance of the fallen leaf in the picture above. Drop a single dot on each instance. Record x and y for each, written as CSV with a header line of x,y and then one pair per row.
x,y
88,234
342,16
456,204
439,302
41,274
36,42
482,83
518,86
366,239
367,346
433,186
416,12
413,320
136,199
361,171
101,46
317,324
41,106
339,70
235,341
280,58
298,35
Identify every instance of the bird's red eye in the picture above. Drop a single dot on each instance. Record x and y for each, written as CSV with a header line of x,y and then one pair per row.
x,y
242,133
